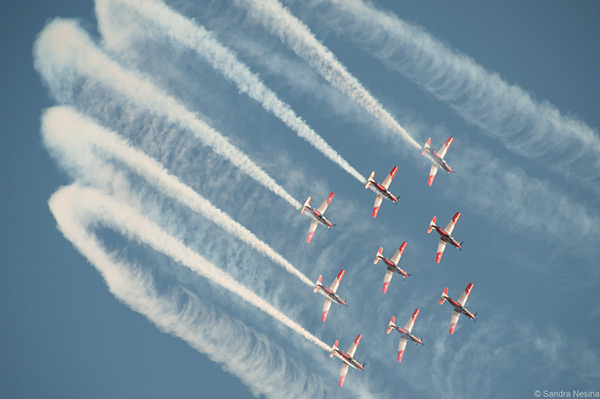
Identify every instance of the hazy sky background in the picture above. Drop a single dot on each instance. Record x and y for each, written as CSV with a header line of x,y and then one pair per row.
x,y
529,228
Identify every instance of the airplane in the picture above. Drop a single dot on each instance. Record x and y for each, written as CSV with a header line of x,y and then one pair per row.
x,y
317,215
329,293
459,306
437,158
392,265
445,236
405,333
347,358
381,189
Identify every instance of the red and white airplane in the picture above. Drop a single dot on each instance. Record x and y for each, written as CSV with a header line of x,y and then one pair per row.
x,y
329,293
347,358
381,189
405,333
445,236
392,265
459,306
317,215
437,158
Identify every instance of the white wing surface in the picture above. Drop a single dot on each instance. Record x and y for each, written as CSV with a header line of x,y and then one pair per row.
x,y
336,283
378,199
465,294
401,346
325,203
440,250
386,280
450,226
444,149
432,173
354,345
411,322
343,372
388,179
453,321
398,254
326,307
311,230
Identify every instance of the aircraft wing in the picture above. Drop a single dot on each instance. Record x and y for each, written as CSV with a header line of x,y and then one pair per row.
x,y
336,283
388,179
453,321
326,307
401,346
311,230
440,250
444,149
398,254
411,322
325,203
386,280
432,173
354,345
343,372
462,299
450,226
378,199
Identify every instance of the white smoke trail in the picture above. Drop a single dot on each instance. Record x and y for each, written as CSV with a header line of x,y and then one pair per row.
x,y
300,39
105,210
63,48
185,32
251,357
533,129
63,127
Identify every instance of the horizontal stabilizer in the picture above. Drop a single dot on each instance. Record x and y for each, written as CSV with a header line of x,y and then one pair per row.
x,y
370,179
306,205
318,283
334,347
426,146
444,295
431,224
391,324
378,256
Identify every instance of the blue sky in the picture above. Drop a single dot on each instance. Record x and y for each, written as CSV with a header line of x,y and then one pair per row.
x,y
527,190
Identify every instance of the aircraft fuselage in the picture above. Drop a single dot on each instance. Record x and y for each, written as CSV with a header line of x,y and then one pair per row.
x,y
327,292
408,336
315,214
379,189
393,267
446,237
460,308
435,158
346,358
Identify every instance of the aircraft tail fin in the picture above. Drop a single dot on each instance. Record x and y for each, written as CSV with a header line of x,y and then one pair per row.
x,y
391,324
306,204
318,283
378,256
431,224
443,297
370,179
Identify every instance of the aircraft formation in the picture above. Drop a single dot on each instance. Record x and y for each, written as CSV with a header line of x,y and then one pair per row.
x,y
382,191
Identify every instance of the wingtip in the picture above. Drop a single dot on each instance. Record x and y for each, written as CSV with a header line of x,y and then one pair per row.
x,y
375,211
452,328
400,354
